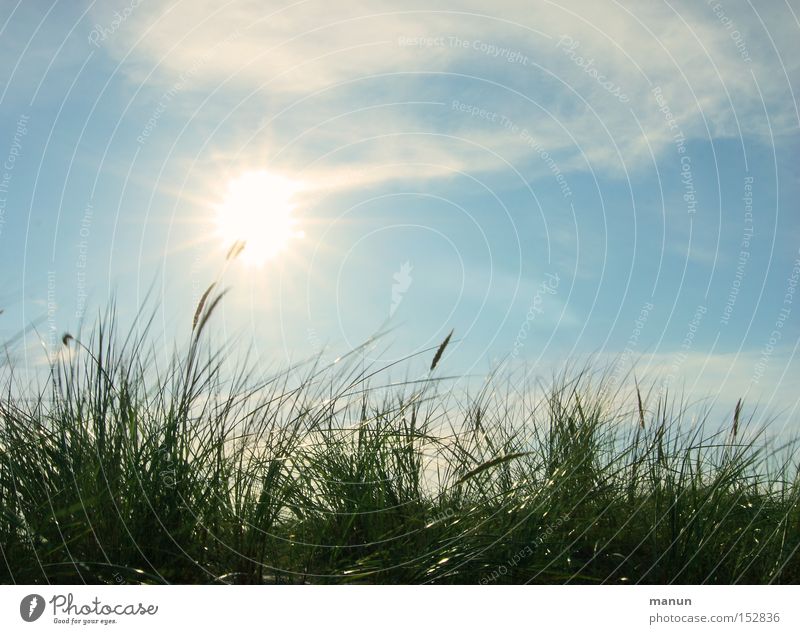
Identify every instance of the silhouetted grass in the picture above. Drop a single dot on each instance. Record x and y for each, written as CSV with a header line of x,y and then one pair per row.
x,y
121,471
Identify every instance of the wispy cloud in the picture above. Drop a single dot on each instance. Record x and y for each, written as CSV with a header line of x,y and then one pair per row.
x,y
377,85
719,379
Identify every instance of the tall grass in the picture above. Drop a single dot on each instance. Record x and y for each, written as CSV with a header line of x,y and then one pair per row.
x,y
121,471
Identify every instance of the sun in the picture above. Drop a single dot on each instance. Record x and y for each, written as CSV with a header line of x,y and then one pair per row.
x,y
257,213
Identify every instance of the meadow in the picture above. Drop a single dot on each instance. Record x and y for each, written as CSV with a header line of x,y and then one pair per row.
x,y
120,468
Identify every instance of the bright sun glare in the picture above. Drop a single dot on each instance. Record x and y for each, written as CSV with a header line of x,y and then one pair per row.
x,y
257,211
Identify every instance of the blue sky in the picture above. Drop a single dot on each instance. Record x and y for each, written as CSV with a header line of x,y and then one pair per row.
x,y
552,180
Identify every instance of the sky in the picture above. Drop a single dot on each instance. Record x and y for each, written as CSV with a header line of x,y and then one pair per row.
x,y
556,182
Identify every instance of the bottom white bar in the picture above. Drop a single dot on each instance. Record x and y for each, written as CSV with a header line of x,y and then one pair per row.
x,y
355,609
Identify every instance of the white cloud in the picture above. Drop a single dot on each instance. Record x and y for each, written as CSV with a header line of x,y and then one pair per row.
x,y
767,385
309,63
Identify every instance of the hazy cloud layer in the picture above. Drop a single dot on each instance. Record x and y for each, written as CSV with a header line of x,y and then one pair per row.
x,y
579,81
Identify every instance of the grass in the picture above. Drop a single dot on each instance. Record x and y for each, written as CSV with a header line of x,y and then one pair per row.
x,y
121,471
